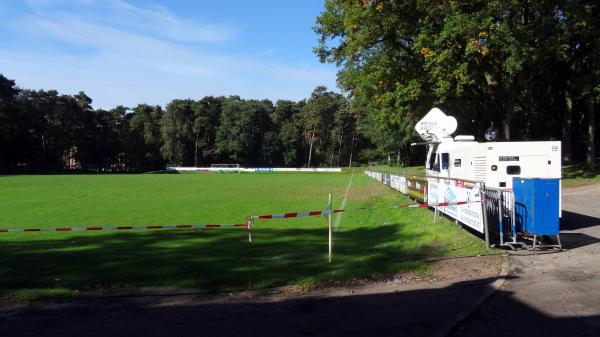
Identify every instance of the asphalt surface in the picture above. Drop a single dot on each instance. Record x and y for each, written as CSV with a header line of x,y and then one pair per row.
x,y
551,294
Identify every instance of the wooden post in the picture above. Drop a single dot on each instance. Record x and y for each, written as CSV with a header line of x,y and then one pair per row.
x,y
486,231
329,217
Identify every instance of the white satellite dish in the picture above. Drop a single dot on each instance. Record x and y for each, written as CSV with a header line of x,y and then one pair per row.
x,y
436,125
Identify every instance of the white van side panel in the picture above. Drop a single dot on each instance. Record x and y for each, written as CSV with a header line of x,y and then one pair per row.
x,y
496,163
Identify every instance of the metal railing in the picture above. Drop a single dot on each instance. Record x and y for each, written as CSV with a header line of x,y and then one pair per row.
x,y
500,217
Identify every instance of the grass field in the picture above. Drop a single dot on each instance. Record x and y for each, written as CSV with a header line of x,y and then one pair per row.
x,y
579,175
370,242
403,170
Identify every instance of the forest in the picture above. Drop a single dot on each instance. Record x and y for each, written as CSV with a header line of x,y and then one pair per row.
x,y
48,131
531,68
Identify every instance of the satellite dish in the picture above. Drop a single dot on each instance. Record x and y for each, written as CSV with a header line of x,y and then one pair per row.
x,y
436,125
491,134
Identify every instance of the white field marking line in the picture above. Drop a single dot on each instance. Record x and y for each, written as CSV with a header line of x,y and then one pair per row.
x,y
338,218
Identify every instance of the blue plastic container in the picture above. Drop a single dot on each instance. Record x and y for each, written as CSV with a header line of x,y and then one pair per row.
x,y
536,205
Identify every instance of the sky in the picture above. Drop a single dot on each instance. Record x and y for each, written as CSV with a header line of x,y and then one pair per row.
x,y
126,52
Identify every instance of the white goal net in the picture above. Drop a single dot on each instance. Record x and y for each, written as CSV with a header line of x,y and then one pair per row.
x,y
225,165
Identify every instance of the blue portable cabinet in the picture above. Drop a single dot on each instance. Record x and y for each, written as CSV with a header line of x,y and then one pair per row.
x,y
537,206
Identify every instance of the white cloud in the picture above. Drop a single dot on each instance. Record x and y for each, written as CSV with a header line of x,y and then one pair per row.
x,y
130,64
269,52
160,21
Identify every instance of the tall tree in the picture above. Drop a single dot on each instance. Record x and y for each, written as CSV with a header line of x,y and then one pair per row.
x,y
146,137
206,120
178,132
482,60
317,118
373,43
243,126
9,121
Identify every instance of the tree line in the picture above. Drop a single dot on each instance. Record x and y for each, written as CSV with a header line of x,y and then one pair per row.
x,y
530,67
48,131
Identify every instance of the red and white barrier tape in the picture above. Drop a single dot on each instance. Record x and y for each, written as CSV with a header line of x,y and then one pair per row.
x,y
296,214
103,228
247,226
326,212
440,204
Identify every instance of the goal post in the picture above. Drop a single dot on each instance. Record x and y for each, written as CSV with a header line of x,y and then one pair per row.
x,y
225,165
224,168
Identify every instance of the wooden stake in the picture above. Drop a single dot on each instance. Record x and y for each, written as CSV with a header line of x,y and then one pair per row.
x,y
329,217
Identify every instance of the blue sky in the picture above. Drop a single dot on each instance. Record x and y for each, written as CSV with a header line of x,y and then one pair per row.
x,y
129,52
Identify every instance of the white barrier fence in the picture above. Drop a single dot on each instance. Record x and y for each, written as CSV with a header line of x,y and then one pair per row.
x,y
439,190
253,169
471,213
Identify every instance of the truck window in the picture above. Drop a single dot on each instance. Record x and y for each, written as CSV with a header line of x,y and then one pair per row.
x,y
457,162
436,164
445,161
432,157
513,169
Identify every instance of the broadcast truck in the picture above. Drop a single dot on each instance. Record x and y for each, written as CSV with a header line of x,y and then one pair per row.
x,y
491,162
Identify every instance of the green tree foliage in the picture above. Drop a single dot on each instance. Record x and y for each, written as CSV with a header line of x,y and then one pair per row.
x,y
372,42
530,66
284,142
44,130
317,119
206,120
178,132
240,136
145,136
9,123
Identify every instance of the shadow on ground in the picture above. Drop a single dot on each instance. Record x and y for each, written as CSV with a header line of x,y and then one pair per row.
x,y
502,315
214,260
573,221
425,312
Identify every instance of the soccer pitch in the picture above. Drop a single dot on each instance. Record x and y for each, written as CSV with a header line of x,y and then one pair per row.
x,y
369,242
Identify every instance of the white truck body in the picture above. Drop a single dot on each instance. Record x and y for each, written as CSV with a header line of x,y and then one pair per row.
x,y
493,163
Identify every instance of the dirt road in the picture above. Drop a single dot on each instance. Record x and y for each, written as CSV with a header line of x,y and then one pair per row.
x,y
404,306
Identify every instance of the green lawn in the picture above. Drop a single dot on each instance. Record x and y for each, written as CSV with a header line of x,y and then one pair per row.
x,y
403,170
579,174
370,242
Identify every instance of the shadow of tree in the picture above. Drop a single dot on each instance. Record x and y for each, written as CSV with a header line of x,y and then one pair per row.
x,y
579,170
214,260
416,312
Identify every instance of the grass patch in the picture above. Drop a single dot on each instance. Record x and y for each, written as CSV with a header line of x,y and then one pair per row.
x,y
407,170
369,242
31,295
579,175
